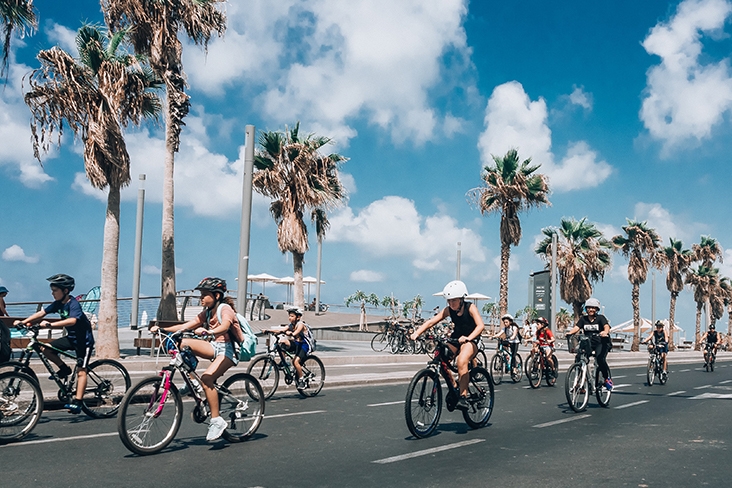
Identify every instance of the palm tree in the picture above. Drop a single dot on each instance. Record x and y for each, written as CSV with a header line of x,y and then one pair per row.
x,y
393,304
154,27
493,313
412,309
359,296
702,280
564,319
583,256
96,96
15,15
708,251
291,171
678,261
640,245
510,187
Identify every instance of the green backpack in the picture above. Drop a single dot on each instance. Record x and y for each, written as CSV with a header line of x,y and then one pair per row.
x,y
242,335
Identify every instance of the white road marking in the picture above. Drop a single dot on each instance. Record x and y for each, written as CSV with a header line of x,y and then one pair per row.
x,y
718,396
622,376
426,452
622,385
643,374
279,415
385,403
684,370
60,439
632,404
561,421
676,393
702,387
725,381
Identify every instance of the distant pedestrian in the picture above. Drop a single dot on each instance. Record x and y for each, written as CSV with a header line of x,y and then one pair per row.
x,y
3,294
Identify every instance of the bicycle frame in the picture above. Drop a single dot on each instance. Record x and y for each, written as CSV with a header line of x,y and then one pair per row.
x,y
37,347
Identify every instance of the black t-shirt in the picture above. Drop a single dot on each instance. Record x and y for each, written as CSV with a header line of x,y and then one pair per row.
x,y
712,337
592,327
659,336
463,325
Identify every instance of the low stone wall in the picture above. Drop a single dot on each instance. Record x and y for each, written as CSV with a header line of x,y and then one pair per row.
x,y
339,334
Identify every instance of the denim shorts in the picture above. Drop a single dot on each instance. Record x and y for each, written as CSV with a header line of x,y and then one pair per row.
x,y
227,349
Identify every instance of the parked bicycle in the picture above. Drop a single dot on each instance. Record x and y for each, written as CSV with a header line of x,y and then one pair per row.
x,y
423,404
501,364
583,377
710,356
152,410
21,405
266,369
655,365
539,365
107,379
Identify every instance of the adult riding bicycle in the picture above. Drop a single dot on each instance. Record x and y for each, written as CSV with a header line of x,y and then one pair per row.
x,y
266,369
423,404
584,377
710,356
21,405
107,379
152,410
655,365
501,364
540,365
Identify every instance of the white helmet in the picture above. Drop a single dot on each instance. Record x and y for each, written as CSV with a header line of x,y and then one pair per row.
x,y
507,316
593,302
455,289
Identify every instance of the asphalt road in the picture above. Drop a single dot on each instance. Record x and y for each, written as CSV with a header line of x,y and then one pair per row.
x,y
672,435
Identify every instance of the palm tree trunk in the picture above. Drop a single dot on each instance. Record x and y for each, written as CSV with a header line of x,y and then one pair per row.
x,y
167,310
671,322
107,344
503,281
298,298
697,336
635,300
577,308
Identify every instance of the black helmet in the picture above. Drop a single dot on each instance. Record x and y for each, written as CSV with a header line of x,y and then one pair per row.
x,y
62,281
212,285
711,326
659,323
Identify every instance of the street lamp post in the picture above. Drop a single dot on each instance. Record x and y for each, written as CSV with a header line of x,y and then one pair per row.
x,y
246,219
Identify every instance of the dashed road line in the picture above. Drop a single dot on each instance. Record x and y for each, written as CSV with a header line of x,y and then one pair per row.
x,y
561,421
632,404
400,402
676,393
621,376
725,382
684,370
702,387
61,439
280,415
716,396
426,452
622,385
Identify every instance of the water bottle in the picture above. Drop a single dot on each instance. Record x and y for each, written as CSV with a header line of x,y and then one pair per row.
x,y
196,384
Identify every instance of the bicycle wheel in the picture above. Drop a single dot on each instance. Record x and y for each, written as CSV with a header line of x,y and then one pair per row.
x,y
576,388
662,375
21,405
241,404
265,370
313,373
480,388
551,371
106,385
601,392
651,371
482,359
497,369
533,370
379,342
423,404
149,417
517,372
395,342
19,367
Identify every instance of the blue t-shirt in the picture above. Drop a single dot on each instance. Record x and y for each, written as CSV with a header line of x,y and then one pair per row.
x,y
82,329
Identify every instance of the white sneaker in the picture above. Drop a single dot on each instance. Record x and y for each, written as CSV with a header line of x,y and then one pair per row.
x,y
216,427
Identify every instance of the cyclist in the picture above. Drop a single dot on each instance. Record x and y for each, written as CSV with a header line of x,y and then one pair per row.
x,y
467,327
79,336
509,336
545,341
294,341
597,328
712,338
660,341
3,294
220,350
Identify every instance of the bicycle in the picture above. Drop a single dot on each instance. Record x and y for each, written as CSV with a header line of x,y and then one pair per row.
x,y
423,404
579,382
266,369
539,366
710,356
107,379
501,363
21,405
151,412
655,365
382,339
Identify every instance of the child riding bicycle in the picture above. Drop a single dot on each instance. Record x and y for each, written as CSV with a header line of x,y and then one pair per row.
x,y
294,341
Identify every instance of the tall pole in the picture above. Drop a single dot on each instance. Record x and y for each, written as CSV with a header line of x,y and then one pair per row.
x,y
653,300
246,219
553,318
458,261
138,253
317,276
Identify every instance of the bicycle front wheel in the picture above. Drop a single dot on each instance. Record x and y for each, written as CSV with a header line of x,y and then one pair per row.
x,y
149,416
551,370
576,388
21,405
497,369
651,371
106,385
533,370
379,342
480,399
241,404
423,404
265,370
517,372
601,392
313,374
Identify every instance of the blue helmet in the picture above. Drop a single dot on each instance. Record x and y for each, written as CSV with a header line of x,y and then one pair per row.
x,y
3,289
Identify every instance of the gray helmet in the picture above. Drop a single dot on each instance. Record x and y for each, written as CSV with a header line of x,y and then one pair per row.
x,y
295,310
592,302
62,281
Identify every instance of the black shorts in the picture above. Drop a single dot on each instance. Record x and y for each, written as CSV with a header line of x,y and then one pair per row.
x,y
83,352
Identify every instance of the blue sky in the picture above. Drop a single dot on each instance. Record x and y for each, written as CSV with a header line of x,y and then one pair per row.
x,y
625,104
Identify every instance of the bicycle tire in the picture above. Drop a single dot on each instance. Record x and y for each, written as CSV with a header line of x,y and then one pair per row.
x,y
265,370
106,385
395,343
143,424
517,372
576,388
651,371
533,371
313,373
19,367
550,375
21,405
601,392
481,398
379,342
423,404
662,375
482,359
241,404
497,369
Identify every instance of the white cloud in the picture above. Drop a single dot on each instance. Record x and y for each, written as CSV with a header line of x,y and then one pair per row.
x,y
685,98
63,37
452,125
580,97
16,253
366,276
512,120
668,225
393,227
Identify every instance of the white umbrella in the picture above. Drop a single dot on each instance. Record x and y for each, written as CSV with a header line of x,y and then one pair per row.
x,y
628,327
289,281
309,280
477,296
263,278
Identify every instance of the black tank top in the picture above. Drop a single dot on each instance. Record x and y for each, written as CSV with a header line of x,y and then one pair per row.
x,y
463,325
659,336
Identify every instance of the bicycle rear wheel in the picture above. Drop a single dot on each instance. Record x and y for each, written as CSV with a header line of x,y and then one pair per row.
x,y
662,375
21,405
497,369
517,372
551,371
482,359
241,404
313,374
601,392
533,370
651,371
379,342
265,370
576,388
106,385
423,404
480,399
149,417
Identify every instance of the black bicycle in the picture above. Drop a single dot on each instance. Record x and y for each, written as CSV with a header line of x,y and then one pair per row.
x,y
423,404
655,365
21,405
710,355
107,379
501,363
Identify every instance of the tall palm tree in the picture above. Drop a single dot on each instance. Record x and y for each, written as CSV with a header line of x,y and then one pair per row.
x,y
154,26
510,187
583,256
678,261
96,96
708,251
702,280
291,171
641,245
16,15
